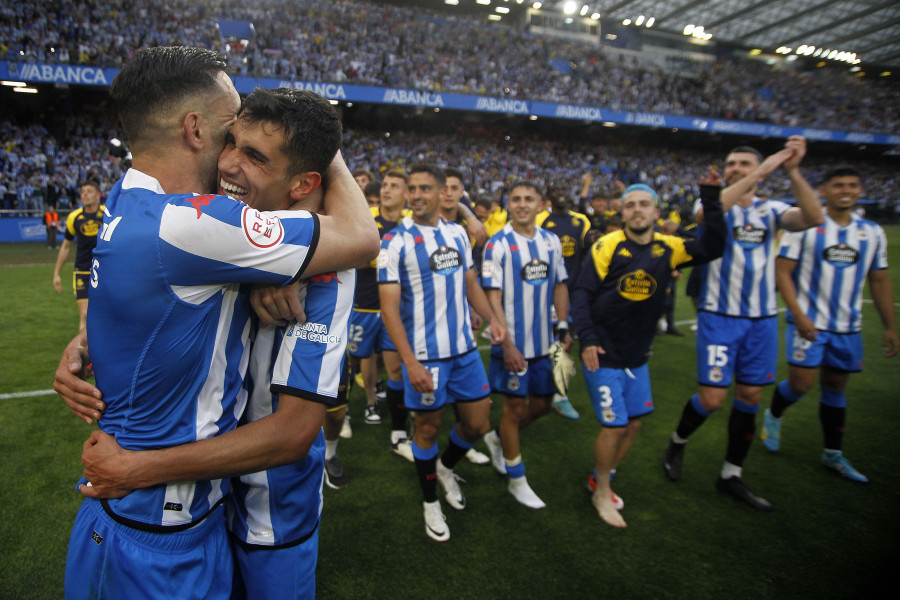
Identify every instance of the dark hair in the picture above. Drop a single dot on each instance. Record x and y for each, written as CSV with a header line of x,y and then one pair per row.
x,y
366,172
526,183
454,172
839,171
484,201
748,150
91,182
434,170
309,124
157,80
373,188
399,174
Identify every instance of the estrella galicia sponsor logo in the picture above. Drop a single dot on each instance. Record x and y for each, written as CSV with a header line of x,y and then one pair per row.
x,y
63,74
749,236
587,113
841,255
174,506
637,286
313,332
445,260
501,105
416,97
535,272
327,90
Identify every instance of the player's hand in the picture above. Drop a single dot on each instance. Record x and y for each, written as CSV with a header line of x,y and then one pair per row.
x,y
589,357
477,321
498,333
797,144
513,359
891,343
420,378
806,328
587,179
565,339
105,466
772,162
57,284
82,398
476,231
712,177
277,305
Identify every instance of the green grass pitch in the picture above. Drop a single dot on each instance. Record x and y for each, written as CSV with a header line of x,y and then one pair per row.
x,y
827,538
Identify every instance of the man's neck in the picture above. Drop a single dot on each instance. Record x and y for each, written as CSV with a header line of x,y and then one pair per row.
x,y
450,214
559,212
391,214
432,222
175,176
526,230
642,239
841,217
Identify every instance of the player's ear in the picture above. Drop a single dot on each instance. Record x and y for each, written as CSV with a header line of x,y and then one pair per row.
x,y
192,129
303,184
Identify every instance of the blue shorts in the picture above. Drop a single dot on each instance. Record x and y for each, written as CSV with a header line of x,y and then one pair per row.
x,y
461,378
367,334
843,351
536,381
745,350
283,572
619,395
109,560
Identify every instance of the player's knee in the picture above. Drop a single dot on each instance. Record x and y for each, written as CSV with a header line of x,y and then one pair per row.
x,y
712,399
514,409
634,425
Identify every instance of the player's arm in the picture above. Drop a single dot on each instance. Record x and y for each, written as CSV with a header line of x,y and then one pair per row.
x,y
561,304
808,212
474,227
784,269
281,438
348,236
734,192
82,398
587,288
419,377
61,259
478,300
711,243
883,298
512,358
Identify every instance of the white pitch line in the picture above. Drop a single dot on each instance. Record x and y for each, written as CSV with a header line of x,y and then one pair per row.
x,y
27,394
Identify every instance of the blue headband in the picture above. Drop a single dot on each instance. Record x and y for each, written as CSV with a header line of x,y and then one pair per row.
x,y
641,187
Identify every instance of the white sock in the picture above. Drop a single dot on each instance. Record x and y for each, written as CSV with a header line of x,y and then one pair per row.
x,y
729,470
330,449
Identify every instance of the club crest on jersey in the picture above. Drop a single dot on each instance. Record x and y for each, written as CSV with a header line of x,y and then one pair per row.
x,y
513,383
637,285
841,255
749,236
716,375
445,260
658,250
428,399
261,231
384,259
535,272
487,269
609,415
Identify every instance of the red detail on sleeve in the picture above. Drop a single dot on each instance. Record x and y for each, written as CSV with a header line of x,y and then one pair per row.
x,y
326,278
198,201
514,248
389,236
419,239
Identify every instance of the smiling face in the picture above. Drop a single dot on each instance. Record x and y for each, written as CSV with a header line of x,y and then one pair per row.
x,y
738,165
524,204
842,192
424,198
639,212
253,168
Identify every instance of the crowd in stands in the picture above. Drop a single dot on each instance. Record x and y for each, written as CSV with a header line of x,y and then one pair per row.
x,y
32,160
381,44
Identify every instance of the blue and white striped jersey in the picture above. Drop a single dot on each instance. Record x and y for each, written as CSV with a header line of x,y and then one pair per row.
x,y
430,264
742,282
283,505
169,327
832,264
527,271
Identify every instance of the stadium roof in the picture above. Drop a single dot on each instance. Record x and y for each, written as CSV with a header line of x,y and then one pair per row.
x,y
868,28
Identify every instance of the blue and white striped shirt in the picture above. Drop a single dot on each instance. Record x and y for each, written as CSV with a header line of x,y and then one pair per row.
x,y
430,264
832,264
527,271
742,282
168,326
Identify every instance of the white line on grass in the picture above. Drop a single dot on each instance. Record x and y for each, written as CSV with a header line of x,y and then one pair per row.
x,y
27,394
